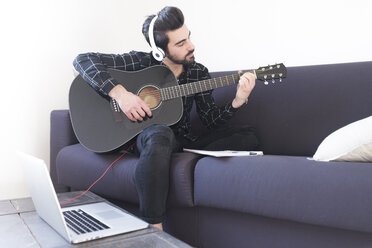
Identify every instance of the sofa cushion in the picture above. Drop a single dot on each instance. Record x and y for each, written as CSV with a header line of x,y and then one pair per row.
x,y
79,168
350,143
334,194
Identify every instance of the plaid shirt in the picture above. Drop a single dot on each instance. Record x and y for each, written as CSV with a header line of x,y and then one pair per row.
x,y
93,68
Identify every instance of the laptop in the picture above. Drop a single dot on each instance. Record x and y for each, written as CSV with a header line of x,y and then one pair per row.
x,y
78,223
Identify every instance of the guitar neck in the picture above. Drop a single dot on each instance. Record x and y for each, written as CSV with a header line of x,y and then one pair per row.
x,y
197,87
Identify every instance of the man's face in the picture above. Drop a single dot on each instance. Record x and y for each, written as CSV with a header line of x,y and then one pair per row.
x,y
180,48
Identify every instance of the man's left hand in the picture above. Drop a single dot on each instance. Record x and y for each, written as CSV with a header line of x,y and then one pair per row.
x,y
245,86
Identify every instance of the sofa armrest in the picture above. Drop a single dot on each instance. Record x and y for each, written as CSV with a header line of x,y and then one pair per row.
x,y
61,135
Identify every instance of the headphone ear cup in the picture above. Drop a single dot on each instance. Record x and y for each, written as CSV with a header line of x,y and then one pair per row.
x,y
161,51
158,54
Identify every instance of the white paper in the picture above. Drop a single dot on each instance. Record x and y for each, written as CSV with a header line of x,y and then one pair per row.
x,y
226,153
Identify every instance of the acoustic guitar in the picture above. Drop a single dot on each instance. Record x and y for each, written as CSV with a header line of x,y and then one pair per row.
x,y
101,126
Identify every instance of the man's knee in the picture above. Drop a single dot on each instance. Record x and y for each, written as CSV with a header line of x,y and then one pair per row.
x,y
159,135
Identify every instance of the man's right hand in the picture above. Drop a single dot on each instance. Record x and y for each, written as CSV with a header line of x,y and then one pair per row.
x,y
132,106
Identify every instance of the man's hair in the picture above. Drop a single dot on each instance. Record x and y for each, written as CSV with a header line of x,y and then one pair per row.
x,y
169,19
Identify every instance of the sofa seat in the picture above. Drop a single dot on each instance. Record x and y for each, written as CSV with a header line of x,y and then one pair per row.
x,y
290,188
119,182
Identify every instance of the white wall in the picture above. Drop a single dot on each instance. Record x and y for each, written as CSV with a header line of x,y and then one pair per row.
x,y
40,38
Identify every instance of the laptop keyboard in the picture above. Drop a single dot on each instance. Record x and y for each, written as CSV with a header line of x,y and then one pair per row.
x,y
81,222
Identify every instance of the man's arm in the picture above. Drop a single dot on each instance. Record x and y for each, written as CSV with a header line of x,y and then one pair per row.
x,y
213,116
93,68
210,114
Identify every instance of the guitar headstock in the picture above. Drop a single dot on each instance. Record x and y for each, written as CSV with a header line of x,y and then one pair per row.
x,y
271,72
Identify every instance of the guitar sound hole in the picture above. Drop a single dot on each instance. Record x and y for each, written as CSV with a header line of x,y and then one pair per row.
x,y
151,96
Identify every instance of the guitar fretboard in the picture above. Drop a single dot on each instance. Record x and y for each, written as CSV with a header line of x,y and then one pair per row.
x,y
196,87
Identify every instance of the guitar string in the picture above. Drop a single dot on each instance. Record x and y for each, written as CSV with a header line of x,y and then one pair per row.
x,y
190,86
176,91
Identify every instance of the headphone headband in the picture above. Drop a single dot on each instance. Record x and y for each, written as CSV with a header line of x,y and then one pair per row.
x,y
157,52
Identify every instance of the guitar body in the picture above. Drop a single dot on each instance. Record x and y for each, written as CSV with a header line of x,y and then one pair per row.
x,y
93,118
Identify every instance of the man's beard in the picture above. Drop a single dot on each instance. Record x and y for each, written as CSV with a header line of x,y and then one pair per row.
x,y
185,61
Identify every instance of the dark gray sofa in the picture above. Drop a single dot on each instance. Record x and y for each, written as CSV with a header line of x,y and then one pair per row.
x,y
281,199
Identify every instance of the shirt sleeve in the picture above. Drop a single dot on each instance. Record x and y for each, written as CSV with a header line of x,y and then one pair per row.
x,y
211,115
93,68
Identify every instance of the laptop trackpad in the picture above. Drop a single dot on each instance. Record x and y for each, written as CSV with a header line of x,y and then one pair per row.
x,y
111,214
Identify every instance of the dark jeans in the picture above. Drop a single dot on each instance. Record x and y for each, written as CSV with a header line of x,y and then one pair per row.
x,y
155,146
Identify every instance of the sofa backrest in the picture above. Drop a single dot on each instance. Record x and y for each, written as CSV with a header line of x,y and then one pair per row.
x,y
293,117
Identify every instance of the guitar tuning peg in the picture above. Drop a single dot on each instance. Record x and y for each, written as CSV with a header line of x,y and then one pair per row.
x,y
273,81
266,83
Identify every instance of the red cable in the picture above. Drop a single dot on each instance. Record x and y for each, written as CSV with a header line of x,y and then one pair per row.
x,y
86,191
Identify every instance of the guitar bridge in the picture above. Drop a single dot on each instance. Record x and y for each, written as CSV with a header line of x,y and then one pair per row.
x,y
115,110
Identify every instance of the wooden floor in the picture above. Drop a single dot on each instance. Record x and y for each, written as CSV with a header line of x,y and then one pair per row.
x,y
20,226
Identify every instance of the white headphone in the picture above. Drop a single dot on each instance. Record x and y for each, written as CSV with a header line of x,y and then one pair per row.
x,y
157,52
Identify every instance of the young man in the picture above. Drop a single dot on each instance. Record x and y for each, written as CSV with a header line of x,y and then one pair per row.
x,y
157,142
